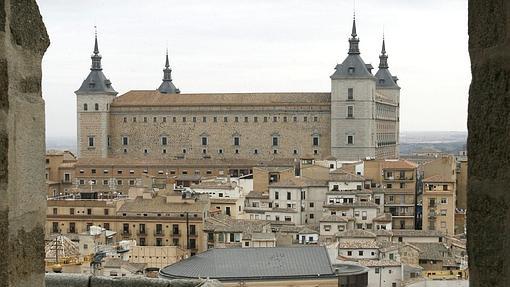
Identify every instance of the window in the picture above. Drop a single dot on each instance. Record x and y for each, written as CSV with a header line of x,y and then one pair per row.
x,y
91,141
315,141
255,119
350,94
276,195
164,140
220,151
350,70
225,119
349,253
295,151
183,119
255,151
237,141
444,200
311,215
134,119
236,119
125,119
377,270
85,107
350,111
194,119
350,139
154,119
204,119
275,141
360,253
445,186
192,229
106,211
96,106
275,119
72,227
174,119
311,204
294,119
204,140
305,119
289,195
144,119
265,119
164,119
125,140
285,119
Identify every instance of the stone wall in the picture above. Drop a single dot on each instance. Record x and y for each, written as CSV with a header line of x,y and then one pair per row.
x,y
488,223
77,280
23,41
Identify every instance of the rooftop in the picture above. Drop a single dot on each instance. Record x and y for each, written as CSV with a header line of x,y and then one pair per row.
x,y
153,98
267,263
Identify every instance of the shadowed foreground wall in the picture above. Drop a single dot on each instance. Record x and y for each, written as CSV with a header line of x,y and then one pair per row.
x,y
489,143
23,41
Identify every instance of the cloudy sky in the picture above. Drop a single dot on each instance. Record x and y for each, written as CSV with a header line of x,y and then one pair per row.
x,y
259,46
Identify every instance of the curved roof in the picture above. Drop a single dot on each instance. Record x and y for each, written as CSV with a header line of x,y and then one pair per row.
x,y
266,263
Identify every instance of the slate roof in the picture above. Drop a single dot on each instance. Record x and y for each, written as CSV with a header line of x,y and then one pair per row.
x,y
385,79
233,264
352,61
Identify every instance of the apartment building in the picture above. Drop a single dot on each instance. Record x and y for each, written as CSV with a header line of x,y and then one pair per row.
x,y
164,218
394,185
439,194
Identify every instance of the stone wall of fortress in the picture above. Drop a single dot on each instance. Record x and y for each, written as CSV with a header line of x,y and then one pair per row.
x,y
184,127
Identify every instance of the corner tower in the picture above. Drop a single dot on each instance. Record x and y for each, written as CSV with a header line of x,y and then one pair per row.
x,y
353,128
387,109
167,87
93,110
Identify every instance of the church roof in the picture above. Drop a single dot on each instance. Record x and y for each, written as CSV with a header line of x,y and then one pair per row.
x,y
96,82
155,98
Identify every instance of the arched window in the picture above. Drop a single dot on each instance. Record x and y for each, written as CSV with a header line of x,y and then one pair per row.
x,y
96,106
85,107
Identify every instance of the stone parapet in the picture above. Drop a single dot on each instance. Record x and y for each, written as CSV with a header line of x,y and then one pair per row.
x,y
82,280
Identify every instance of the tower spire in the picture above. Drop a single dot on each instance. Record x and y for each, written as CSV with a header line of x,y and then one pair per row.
x,y
167,87
96,57
383,58
354,41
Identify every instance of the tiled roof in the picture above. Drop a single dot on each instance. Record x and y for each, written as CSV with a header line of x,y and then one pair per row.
x,y
306,230
299,182
397,164
223,223
358,244
343,175
233,264
417,233
159,204
382,232
334,218
356,233
155,98
256,194
432,251
380,263
384,217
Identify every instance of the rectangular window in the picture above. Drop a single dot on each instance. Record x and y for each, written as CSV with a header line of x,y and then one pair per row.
x,y
174,119
154,119
315,119
204,140
245,119
237,141
215,119
183,119
204,119
305,119
225,119
236,119
315,141
265,119
294,119
125,140
289,195
91,141
106,211
350,111
276,195
164,119
134,119
144,119
350,139
350,94
194,119
255,119
164,140
275,119
275,141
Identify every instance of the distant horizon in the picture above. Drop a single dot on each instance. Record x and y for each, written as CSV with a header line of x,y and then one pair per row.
x,y
259,46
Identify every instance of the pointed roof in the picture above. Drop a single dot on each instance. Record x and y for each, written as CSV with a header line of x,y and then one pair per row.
x,y
167,87
383,75
353,66
96,82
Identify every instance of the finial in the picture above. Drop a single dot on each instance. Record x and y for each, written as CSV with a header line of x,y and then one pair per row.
x,y
167,64
353,34
96,48
383,51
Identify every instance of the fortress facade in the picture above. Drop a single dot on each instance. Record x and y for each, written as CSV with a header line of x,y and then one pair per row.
x,y
358,119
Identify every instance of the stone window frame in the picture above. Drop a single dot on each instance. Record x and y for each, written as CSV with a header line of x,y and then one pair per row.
x,y
204,136
124,140
85,107
237,136
96,107
350,112
91,141
275,136
350,94
163,140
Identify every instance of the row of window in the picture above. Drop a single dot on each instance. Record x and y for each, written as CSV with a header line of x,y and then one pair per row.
x,y
119,172
225,119
96,107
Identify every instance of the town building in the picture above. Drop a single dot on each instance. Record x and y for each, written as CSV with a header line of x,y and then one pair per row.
x,y
358,118
151,217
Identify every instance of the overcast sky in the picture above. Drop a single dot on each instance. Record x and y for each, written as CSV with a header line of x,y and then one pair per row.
x,y
259,46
